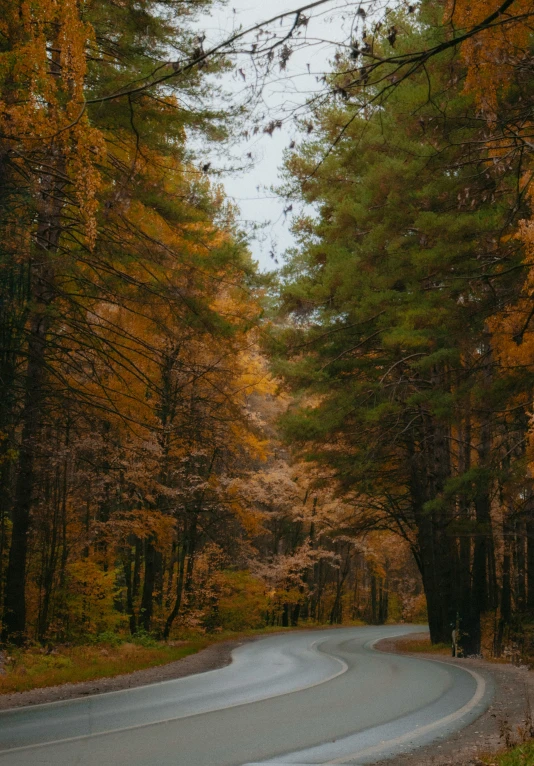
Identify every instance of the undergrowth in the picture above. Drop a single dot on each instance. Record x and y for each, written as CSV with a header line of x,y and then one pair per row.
x,y
423,645
35,667
522,755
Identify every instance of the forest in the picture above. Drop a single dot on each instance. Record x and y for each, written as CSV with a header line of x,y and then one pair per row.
x,y
189,444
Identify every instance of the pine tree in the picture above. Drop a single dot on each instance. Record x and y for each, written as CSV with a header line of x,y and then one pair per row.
x,y
390,292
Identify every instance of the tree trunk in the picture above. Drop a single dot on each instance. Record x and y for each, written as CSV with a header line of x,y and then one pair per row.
x,y
483,588
374,603
179,591
42,294
4,508
50,565
429,468
463,579
285,615
506,593
147,598
14,618
520,565
530,565
383,605
127,560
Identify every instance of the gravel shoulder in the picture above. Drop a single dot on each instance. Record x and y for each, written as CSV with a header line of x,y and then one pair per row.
x,y
505,722
211,658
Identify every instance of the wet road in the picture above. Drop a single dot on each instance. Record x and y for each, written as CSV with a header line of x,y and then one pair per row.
x,y
313,697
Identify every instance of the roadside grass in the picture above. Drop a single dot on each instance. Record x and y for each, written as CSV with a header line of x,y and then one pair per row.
x,y
106,656
35,668
522,755
422,645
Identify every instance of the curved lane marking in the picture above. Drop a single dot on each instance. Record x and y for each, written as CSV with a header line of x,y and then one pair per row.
x,y
312,647
85,698
473,702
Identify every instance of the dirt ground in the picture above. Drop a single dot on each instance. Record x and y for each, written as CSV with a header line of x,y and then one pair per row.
x,y
503,723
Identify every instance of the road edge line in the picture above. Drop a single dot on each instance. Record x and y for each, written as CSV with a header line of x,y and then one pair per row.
x,y
477,697
19,748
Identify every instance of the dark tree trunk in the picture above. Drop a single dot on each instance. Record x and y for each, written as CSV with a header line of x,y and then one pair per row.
x,y
50,566
136,577
5,504
483,584
383,605
482,594
42,293
285,616
149,581
465,522
179,589
506,593
436,558
127,561
355,612
374,601
14,618
520,565
530,564
191,551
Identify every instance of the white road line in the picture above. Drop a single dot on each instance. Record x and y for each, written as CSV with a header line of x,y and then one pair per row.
x,y
408,736
415,733
344,669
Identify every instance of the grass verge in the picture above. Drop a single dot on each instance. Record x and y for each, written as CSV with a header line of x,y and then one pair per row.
x,y
522,755
35,668
422,645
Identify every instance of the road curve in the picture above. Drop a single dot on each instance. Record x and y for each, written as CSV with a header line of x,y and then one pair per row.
x,y
310,697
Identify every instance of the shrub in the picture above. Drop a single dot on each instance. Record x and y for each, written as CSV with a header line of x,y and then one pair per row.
x,y
242,601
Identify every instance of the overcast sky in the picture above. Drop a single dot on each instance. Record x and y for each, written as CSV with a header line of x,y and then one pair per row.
x,y
251,189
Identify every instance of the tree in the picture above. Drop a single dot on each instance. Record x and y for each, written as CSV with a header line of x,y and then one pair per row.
x,y
390,293
107,225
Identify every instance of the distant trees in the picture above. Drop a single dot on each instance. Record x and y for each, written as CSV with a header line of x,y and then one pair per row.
x,y
315,558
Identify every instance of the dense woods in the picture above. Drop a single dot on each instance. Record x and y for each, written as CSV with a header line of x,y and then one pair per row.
x,y
139,485
409,294
187,444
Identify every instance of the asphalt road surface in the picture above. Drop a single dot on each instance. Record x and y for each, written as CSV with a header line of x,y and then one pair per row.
x,y
313,697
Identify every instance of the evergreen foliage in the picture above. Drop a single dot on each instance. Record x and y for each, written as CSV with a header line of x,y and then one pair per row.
x,y
392,291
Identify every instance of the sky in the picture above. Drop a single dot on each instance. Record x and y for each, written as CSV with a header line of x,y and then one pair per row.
x,y
251,189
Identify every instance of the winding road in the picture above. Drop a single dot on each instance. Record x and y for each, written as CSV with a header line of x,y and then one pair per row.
x,y
308,697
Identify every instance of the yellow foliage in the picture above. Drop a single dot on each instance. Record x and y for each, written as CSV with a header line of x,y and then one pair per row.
x,y
43,69
90,598
242,602
491,54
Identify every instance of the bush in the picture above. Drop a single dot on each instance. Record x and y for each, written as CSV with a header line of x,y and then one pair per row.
x,y
242,601
91,601
108,637
142,638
